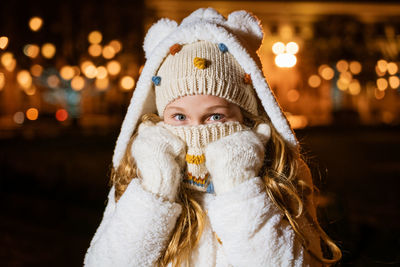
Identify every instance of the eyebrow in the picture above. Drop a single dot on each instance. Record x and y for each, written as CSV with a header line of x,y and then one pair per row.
x,y
207,109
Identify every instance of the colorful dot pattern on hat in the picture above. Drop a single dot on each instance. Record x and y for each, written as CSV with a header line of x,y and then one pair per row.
x,y
222,47
156,80
175,49
200,63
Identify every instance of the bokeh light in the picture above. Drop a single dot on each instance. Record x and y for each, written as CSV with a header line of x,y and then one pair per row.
x,y
8,61
19,117
67,72
285,60
48,50
382,65
32,114
101,72
354,87
61,115
95,50
35,23
113,67
77,83
53,81
293,95
108,52
24,79
392,68
394,82
314,81
36,70
382,84
292,48
95,37
342,65
278,48
116,45
102,84
31,50
3,42
127,83
355,67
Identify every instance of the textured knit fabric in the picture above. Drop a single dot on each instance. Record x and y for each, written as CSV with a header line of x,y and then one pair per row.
x,y
252,231
197,138
203,68
159,156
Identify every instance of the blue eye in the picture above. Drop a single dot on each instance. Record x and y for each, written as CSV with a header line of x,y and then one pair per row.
x,y
216,117
179,117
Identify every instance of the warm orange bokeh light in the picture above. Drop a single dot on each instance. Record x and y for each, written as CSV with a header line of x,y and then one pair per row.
x,y
32,114
61,115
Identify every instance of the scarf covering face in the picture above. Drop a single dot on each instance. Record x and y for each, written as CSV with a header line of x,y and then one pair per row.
x,y
197,138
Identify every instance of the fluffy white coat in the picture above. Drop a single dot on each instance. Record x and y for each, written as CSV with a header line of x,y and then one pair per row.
x,y
135,230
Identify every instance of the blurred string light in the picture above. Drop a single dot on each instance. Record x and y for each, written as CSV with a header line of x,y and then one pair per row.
x,y
285,54
354,87
2,81
53,81
31,90
19,117
293,95
3,42
77,83
8,61
314,81
101,72
113,67
127,83
48,50
382,84
32,114
102,84
108,52
394,82
24,79
35,23
95,37
326,72
95,50
36,70
392,68
67,72
342,65
61,115
382,66
355,67
116,45
31,50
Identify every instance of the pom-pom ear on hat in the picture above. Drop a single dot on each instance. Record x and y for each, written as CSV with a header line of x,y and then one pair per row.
x,y
247,26
157,33
206,14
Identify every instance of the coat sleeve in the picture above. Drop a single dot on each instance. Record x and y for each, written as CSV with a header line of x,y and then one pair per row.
x,y
134,231
253,231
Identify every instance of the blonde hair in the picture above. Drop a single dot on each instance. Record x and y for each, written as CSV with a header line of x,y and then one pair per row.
x,y
279,174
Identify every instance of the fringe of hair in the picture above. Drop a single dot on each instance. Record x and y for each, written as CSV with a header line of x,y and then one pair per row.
x,y
282,187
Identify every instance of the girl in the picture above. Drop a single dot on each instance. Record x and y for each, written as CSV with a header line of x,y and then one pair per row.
x,y
212,176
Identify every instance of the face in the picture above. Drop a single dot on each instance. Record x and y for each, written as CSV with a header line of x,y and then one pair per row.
x,y
201,109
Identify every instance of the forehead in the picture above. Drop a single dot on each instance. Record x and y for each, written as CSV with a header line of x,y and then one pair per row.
x,y
198,101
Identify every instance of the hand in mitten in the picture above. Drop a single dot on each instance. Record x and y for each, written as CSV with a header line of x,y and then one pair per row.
x,y
160,158
234,159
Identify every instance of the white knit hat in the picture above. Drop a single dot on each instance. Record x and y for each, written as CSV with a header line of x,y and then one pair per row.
x,y
203,68
240,32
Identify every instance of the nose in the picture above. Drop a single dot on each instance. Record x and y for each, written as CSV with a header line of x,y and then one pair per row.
x,y
195,122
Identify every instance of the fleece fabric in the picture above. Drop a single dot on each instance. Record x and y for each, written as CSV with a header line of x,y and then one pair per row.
x,y
244,228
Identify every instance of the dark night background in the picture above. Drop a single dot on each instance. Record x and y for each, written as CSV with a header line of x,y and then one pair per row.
x,y
54,177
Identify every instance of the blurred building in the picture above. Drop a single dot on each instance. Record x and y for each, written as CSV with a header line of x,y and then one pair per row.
x,y
76,64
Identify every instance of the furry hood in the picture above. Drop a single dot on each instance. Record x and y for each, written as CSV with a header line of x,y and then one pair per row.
x,y
240,32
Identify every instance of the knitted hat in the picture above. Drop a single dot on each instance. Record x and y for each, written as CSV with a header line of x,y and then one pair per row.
x,y
203,68
197,138
240,33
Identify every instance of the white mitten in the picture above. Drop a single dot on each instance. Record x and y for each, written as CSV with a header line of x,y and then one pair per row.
x,y
160,158
234,159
